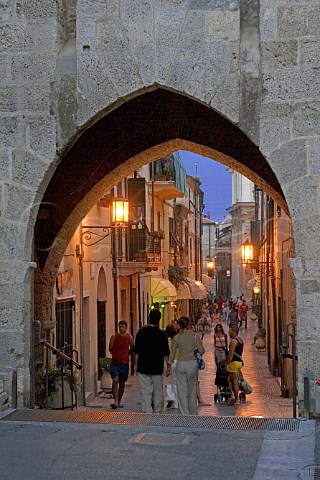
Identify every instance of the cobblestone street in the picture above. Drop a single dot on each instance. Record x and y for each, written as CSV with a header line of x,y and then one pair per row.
x,y
265,400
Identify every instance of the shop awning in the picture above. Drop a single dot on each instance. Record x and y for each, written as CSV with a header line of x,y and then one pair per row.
x,y
207,282
162,290
197,289
183,291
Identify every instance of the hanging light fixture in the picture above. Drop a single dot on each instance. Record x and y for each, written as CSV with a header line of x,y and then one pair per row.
x,y
246,253
120,212
210,264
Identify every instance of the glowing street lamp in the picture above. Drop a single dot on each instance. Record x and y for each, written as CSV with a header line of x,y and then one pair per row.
x,y
120,212
210,267
210,264
246,253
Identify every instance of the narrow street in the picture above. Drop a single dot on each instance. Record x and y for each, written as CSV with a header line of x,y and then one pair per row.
x,y
265,400
98,442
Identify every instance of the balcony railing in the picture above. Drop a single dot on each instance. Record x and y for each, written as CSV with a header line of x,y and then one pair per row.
x,y
144,246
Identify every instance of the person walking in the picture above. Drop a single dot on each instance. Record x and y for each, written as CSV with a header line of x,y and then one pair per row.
x,y
220,303
151,348
234,364
243,314
187,366
120,346
233,317
216,318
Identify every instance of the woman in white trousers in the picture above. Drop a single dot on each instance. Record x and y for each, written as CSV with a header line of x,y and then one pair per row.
x,y
187,366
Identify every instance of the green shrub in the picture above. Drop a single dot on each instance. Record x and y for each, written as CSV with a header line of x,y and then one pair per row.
x,y
105,363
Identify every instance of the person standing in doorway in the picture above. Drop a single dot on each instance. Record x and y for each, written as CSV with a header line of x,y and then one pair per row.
x,y
120,346
151,348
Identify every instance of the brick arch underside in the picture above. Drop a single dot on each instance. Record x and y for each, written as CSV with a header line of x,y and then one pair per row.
x,y
138,125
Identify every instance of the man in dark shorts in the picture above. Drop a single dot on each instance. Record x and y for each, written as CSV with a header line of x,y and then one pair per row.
x,y
120,345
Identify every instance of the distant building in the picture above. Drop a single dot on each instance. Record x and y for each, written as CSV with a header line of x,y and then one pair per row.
x,y
242,212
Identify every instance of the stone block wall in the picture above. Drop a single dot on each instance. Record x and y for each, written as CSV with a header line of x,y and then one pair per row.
x,y
65,64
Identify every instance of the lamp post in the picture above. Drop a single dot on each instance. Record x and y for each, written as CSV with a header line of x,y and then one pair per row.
x,y
91,235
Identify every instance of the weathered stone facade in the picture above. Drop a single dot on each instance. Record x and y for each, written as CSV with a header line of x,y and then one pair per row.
x,y
91,90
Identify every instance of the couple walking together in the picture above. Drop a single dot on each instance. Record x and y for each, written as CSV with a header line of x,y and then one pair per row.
x,y
152,350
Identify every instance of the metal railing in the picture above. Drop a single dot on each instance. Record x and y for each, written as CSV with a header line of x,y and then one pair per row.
x,y
59,373
144,246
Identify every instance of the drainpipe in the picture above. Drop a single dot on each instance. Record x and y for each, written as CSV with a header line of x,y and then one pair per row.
x,y
115,278
79,255
139,302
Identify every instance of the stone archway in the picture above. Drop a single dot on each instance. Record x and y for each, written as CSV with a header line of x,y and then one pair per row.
x,y
139,131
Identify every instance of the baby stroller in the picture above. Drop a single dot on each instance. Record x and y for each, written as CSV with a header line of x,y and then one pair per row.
x,y
223,390
221,380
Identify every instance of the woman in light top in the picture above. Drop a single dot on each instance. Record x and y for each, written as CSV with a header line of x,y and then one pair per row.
x,y
220,344
216,317
187,366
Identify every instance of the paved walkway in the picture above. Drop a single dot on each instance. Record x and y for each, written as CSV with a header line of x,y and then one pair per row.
x,y
98,442
265,401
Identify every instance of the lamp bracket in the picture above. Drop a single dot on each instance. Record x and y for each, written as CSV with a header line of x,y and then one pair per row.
x,y
92,237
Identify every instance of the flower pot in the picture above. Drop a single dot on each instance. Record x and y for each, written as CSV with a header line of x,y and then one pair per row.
x,y
56,401
260,343
106,381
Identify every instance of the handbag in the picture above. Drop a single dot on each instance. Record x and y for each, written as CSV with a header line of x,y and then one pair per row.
x,y
246,387
201,363
197,354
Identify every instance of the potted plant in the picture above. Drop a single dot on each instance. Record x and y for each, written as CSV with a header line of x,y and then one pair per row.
x,y
106,381
260,339
177,275
62,386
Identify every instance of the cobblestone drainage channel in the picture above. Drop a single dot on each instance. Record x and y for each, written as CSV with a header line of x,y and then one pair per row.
x,y
128,418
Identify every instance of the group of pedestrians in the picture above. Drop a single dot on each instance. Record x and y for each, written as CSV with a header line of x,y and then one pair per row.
x,y
233,311
153,358
159,352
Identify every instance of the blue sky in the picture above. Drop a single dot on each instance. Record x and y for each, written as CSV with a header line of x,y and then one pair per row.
x,y
215,183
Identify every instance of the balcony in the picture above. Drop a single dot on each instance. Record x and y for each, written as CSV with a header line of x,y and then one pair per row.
x,y
169,178
145,246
